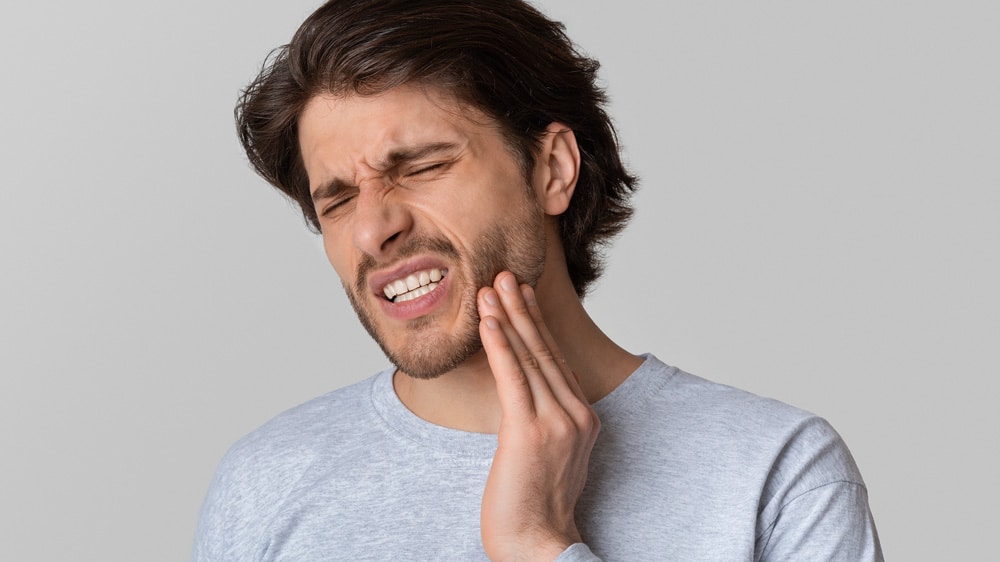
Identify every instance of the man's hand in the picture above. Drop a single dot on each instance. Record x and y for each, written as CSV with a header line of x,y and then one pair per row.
x,y
546,433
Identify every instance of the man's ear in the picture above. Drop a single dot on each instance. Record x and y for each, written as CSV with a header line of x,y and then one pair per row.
x,y
557,168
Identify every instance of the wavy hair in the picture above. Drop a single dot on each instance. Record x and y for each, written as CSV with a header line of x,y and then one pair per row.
x,y
502,57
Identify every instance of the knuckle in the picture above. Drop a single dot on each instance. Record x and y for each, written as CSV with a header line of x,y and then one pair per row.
x,y
544,354
541,356
562,428
530,362
592,425
585,418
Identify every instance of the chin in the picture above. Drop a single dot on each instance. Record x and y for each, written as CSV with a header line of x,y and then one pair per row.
x,y
427,355
432,367
425,349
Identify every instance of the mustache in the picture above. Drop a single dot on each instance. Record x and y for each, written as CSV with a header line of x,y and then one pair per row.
x,y
411,247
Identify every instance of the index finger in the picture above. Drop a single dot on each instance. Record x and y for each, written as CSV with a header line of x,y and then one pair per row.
x,y
513,388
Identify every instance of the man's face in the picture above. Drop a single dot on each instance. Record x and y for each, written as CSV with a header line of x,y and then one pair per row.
x,y
421,203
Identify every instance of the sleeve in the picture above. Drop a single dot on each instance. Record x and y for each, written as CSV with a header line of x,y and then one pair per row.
x,y
249,487
830,522
816,503
210,535
238,504
578,552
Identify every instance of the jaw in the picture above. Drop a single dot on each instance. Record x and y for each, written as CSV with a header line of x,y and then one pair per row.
x,y
425,336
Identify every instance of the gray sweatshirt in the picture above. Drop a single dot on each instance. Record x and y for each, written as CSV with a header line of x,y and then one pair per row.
x,y
684,469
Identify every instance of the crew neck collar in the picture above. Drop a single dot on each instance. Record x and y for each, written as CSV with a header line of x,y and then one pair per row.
x,y
642,383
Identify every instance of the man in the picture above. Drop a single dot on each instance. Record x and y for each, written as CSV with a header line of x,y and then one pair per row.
x,y
457,160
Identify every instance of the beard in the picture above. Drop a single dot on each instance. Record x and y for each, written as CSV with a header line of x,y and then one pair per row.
x,y
516,245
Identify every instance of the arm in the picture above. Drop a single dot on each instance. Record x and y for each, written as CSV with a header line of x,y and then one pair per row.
x,y
831,522
547,432
819,509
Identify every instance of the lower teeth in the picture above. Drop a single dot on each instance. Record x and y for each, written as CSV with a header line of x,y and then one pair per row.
x,y
418,292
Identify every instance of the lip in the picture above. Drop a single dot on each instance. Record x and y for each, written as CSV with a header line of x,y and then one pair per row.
x,y
419,306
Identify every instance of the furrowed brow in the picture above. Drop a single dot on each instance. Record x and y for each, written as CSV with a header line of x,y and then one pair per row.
x,y
401,156
328,189
392,160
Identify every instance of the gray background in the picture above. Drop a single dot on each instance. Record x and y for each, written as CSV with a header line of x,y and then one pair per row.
x,y
817,223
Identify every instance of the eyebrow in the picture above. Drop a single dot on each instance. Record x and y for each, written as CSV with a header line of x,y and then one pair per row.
x,y
403,155
328,189
394,159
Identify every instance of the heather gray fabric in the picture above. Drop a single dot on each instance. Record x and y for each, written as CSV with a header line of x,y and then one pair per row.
x,y
684,469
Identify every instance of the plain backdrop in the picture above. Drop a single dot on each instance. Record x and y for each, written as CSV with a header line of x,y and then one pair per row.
x,y
818,222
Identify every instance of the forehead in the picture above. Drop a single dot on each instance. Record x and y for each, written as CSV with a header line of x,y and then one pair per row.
x,y
362,129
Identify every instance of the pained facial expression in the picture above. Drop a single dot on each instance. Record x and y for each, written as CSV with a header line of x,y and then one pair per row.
x,y
421,203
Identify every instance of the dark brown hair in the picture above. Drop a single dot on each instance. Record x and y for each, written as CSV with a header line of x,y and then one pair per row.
x,y
502,57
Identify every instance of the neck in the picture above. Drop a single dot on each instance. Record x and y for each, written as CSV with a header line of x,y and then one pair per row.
x,y
465,398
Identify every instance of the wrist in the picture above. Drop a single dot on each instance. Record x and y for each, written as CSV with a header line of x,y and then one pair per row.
x,y
549,547
546,547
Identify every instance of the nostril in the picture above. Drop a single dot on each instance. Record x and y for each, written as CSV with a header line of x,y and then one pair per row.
x,y
379,224
390,240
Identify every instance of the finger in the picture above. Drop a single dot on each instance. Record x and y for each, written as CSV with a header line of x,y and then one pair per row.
x,y
528,365
574,402
536,315
536,364
513,389
544,354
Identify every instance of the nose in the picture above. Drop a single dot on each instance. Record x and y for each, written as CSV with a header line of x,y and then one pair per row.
x,y
381,222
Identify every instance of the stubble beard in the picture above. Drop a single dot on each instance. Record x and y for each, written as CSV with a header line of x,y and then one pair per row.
x,y
426,353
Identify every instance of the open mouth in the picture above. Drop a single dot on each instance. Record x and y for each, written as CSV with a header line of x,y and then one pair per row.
x,y
416,284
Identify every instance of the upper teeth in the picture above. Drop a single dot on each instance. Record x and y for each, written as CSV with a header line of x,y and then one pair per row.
x,y
413,285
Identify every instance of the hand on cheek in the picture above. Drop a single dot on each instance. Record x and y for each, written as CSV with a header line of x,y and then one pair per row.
x,y
547,431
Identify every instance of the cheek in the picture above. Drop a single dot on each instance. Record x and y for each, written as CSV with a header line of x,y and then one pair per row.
x,y
338,254
467,216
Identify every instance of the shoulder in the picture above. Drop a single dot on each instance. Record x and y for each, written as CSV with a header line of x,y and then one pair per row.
x,y
259,471
796,437
293,439
689,402
703,455
811,496
708,400
735,428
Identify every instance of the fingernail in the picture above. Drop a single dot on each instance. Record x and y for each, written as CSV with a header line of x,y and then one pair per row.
x,y
508,284
491,298
491,322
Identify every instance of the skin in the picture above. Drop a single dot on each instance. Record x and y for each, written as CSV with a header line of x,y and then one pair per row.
x,y
543,361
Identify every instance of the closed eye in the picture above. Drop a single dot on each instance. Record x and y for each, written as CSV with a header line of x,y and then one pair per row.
x,y
336,205
425,169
